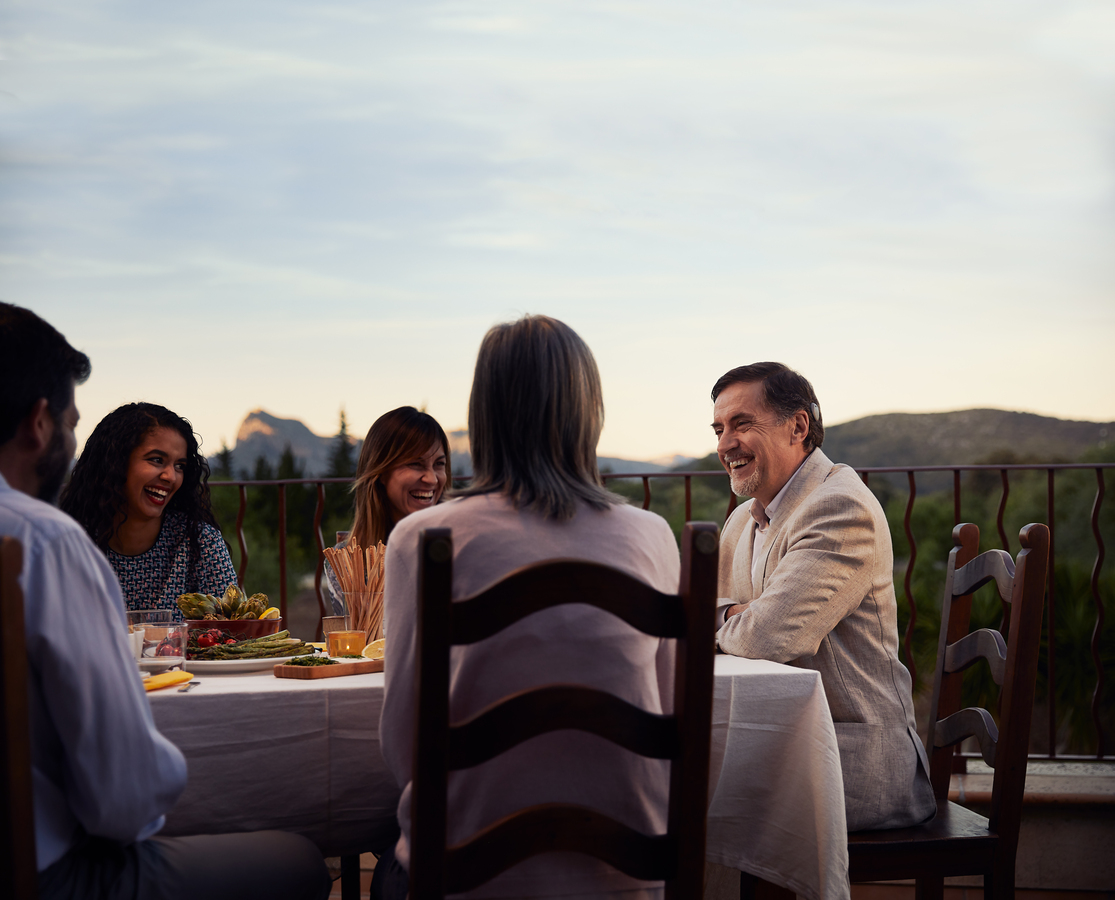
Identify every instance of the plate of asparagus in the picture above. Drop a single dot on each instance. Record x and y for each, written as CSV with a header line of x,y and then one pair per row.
x,y
251,655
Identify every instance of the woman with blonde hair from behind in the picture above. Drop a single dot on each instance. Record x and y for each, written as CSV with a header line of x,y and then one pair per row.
x,y
535,415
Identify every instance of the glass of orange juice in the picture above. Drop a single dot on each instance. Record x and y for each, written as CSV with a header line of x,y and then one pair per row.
x,y
341,639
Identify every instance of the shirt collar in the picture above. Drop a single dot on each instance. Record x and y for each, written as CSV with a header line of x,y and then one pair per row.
x,y
765,515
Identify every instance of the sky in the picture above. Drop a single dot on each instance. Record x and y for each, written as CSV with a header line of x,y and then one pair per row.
x,y
308,207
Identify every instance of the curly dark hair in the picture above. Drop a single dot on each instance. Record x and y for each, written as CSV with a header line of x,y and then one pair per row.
x,y
95,493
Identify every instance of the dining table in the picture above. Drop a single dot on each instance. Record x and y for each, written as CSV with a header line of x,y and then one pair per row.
x,y
304,756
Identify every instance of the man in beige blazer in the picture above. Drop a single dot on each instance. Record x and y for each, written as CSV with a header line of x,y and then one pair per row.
x,y
807,566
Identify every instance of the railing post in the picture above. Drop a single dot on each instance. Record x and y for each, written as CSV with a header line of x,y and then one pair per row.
x,y
319,512
907,639
1097,696
282,551
240,536
1003,510
1050,608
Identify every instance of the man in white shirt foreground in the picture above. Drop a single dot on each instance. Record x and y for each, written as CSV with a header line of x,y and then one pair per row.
x,y
807,569
103,778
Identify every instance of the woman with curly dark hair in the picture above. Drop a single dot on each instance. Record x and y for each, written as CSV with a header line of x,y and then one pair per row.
x,y
140,489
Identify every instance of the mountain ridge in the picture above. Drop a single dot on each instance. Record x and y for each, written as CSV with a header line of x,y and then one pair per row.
x,y
961,437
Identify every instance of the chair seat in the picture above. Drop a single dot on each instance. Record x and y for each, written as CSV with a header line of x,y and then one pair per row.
x,y
954,842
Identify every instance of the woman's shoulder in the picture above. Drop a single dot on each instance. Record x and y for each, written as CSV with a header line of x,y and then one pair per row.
x,y
625,517
449,514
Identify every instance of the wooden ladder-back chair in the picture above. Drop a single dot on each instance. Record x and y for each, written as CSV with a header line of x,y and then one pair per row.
x,y
678,856
18,870
958,841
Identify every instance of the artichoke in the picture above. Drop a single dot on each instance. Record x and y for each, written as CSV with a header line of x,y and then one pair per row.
x,y
233,605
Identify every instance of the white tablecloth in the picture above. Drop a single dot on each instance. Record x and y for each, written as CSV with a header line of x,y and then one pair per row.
x,y
304,756
777,806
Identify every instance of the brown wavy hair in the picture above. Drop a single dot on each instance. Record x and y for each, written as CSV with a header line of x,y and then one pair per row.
x,y
395,439
534,418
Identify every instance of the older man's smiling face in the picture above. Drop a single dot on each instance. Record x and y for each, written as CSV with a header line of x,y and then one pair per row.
x,y
759,452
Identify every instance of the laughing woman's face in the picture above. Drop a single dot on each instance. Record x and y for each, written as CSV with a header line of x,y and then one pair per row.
x,y
417,484
156,470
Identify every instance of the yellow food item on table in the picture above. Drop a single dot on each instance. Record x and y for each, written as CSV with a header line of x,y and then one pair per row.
x,y
374,650
270,613
166,679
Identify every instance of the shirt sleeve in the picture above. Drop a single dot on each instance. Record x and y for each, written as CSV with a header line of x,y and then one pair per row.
x,y
121,776
215,570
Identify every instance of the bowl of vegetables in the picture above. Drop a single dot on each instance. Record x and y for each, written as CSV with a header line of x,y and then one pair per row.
x,y
232,617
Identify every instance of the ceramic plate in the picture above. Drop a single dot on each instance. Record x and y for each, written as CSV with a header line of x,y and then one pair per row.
x,y
234,666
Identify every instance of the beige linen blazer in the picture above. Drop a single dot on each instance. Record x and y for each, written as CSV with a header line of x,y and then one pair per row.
x,y
824,600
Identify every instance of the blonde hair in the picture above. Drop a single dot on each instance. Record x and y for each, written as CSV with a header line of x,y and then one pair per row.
x,y
535,415
395,439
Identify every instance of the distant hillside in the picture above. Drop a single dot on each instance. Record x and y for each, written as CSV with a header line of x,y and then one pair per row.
x,y
896,439
961,438
262,434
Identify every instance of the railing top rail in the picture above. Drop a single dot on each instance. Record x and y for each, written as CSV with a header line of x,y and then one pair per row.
x,y
277,481
988,467
713,473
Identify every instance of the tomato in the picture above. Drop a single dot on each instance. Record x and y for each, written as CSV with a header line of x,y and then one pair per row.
x,y
207,640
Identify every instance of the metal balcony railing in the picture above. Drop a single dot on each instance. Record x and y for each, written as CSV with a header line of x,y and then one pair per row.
x,y
911,473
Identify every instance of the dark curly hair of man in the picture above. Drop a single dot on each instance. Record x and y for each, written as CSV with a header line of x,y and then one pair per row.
x,y
95,494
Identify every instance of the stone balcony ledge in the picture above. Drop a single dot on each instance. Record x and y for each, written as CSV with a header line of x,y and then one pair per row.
x,y
1061,783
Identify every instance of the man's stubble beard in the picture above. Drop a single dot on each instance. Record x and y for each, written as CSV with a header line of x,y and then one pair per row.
x,y
746,486
51,469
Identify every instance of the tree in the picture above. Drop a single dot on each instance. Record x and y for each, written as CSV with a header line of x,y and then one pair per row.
x,y
223,469
338,497
342,455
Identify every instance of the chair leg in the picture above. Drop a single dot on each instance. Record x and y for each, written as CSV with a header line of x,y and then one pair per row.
x,y
751,887
931,887
350,877
998,884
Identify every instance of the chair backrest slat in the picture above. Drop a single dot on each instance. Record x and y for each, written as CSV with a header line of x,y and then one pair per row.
x,y
538,711
558,827
986,644
994,565
970,722
532,589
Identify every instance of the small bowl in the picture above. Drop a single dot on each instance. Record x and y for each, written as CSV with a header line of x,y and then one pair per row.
x,y
241,629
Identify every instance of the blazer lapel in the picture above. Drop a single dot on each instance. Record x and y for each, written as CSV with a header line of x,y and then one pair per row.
x,y
741,563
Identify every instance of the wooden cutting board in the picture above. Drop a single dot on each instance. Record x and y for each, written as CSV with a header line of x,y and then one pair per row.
x,y
362,667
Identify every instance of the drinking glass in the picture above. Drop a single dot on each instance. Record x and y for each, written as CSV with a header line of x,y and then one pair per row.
x,y
340,637
158,641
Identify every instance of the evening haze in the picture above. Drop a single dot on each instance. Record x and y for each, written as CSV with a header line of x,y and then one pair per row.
x,y
308,207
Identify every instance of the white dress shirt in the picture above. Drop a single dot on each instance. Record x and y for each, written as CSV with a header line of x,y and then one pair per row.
x,y
763,516
97,761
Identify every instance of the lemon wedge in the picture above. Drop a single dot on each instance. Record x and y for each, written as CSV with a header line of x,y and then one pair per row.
x,y
374,650
272,612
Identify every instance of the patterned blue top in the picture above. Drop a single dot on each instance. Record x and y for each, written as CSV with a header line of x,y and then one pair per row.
x,y
153,580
